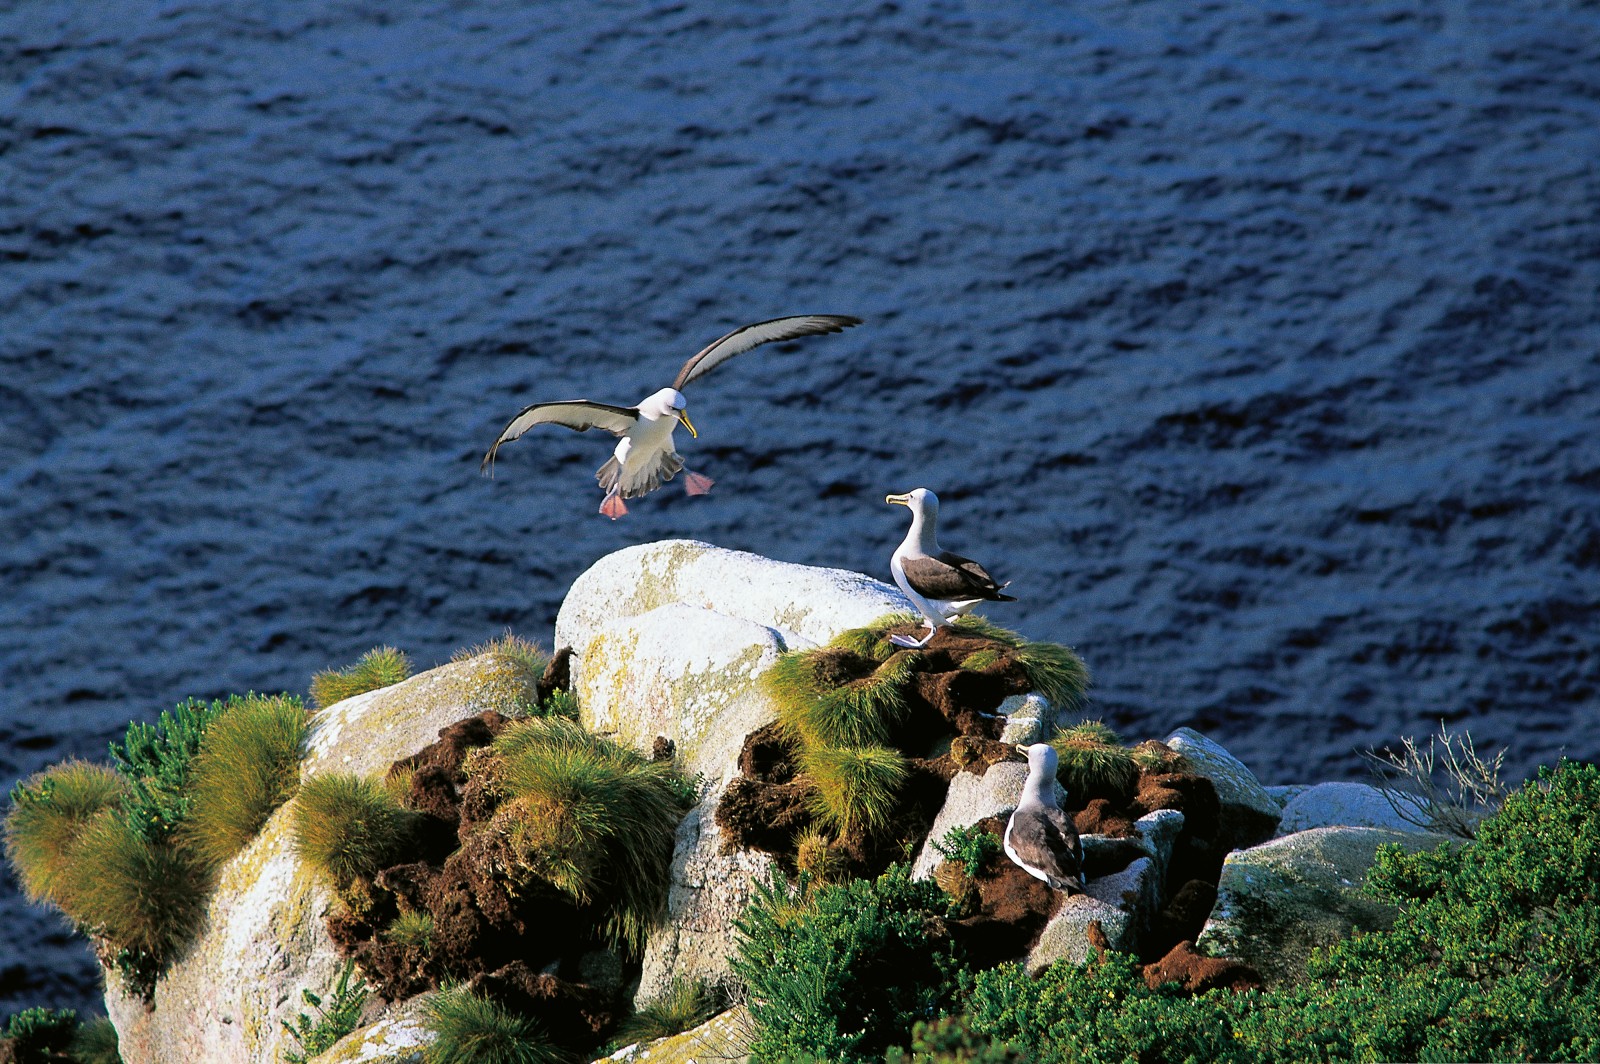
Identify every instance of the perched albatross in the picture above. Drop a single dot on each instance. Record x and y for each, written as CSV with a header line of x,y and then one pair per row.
x,y
941,584
1040,837
645,457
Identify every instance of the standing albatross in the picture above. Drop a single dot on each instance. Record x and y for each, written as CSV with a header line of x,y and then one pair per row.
x,y
940,583
645,457
1041,838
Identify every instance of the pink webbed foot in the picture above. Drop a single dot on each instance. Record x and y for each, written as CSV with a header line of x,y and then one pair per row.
x,y
613,507
696,483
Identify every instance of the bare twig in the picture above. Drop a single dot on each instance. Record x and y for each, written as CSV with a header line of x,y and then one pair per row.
x,y
1447,787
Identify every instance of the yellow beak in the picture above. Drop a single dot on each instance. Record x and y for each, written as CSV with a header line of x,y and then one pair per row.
x,y
902,500
683,416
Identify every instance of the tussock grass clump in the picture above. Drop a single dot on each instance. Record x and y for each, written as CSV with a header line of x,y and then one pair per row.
x,y
379,667
817,857
146,896
857,787
590,817
1092,765
413,929
469,1029
347,827
821,704
96,1043
522,651
685,1003
248,765
980,660
49,812
1055,671
872,641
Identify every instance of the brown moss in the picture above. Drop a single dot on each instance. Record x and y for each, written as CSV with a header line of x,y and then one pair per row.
x,y
570,1012
1182,917
975,754
1011,910
557,675
1193,796
1100,817
1197,973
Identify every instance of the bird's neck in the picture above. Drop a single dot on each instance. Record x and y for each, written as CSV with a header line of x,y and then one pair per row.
x,y
921,534
1039,788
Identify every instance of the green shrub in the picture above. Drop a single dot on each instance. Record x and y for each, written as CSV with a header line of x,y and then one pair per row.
x,y
590,817
38,1035
840,973
145,896
338,1017
49,812
819,706
248,765
559,704
347,827
157,759
469,1029
684,1004
96,1043
951,1041
971,847
379,667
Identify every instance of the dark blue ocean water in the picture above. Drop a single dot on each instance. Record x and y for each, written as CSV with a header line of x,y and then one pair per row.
x,y
1257,343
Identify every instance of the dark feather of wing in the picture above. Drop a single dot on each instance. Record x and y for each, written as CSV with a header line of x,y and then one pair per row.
x,y
762,332
1046,839
578,414
950,577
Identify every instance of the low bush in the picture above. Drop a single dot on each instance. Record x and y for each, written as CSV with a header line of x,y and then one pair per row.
x,y
971,847
49,812
590,817
157,760
347,827
470,1029
40,1035
379,667
840,973
247,765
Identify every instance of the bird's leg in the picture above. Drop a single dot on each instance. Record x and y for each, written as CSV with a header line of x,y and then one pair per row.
x,y
913,644
613,506
696,483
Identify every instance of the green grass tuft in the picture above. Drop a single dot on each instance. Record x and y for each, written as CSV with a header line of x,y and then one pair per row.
x,y
684,1004
96,1043
379,667
49,811
819,708
247,766
413,929
145,896
524,652
590,817
1089,731
1056,672
980,660
347,827
856,787
817,858
872,641
973,624
469,1029
1091,769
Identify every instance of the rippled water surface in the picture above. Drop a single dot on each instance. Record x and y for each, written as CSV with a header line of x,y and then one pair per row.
x,y
1256,343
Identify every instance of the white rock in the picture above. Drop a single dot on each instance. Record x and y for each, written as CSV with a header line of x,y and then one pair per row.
x,y
1349,804
1249,814
806,605
970,799
724,1039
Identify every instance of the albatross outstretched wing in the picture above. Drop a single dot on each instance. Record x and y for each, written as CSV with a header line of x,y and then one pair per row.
x,y
950,577
762,332
578,414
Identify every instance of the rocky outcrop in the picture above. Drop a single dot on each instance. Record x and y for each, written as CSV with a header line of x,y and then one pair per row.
x,y
1279,901
725,1038
1248,813
1350,805
265,939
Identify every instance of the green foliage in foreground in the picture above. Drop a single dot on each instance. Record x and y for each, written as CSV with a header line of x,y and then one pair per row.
x,y
248,765
337,1016
971,847
469,1029
1490,958
157,760
50,1036
840,973
379,667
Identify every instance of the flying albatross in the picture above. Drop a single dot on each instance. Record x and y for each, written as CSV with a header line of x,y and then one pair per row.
x,y
1040,837
941,584
645,457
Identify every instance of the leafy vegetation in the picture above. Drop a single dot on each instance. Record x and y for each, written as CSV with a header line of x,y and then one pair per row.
x,y
336,1016
970,847
157,760
346,827
379,667
840,973
247,765
49,812
684,1004
588,816
470,1029
38,1035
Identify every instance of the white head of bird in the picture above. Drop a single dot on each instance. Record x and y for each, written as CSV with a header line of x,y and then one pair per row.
x,y
1042,763
667,403
924,507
